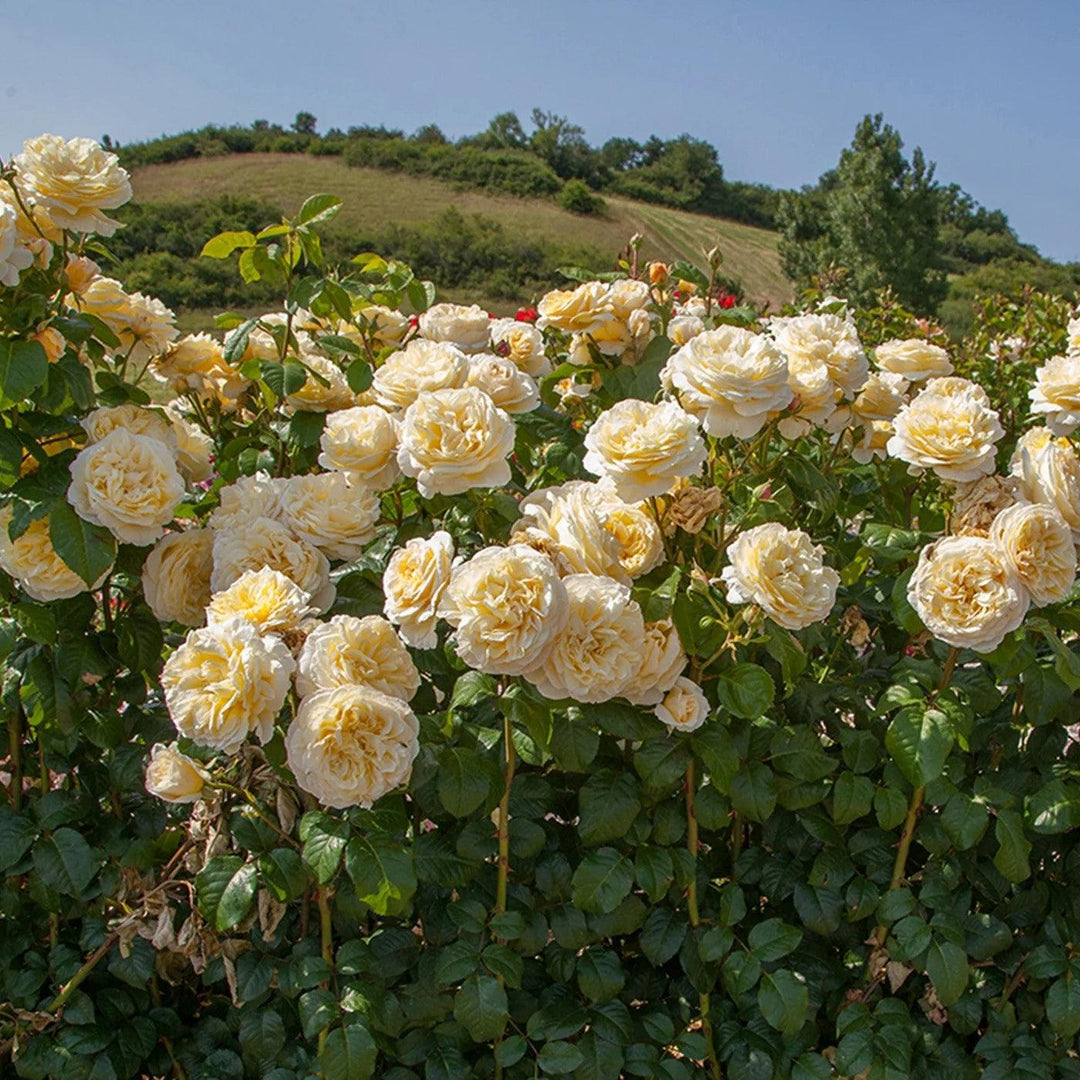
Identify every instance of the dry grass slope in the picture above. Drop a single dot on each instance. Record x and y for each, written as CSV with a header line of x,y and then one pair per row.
x,y
374,198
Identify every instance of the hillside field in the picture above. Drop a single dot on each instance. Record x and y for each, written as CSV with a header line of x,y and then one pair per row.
x,y
375,198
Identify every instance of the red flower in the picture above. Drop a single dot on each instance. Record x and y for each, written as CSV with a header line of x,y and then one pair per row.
x,y
527,314
725,300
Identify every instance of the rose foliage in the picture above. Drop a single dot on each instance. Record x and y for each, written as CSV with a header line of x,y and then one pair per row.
x,y
641,687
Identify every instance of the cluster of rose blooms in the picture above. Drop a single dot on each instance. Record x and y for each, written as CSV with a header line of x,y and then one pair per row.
x,y
554,605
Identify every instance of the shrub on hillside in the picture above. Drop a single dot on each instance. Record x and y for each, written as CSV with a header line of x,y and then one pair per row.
x,y
578,199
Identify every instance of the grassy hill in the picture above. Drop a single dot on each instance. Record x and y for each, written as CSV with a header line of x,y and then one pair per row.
x,y
374,198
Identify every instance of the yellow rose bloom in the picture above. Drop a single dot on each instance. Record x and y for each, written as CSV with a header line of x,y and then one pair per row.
x,y
266,598
32,561
173,776
415,578
176,576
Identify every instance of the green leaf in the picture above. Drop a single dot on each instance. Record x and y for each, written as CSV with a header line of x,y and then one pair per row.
x,y
511,1050
24,366
662,762
1013,847
324,839
662,935
783,1000
224,889
947,969
654,871
262,1034
284,873
560,1058
139,639
480,1006
17,833
574,743
1054,808
318,1009
600,974
772,939
349,1054
919,741
753,792
224,244
463,782
1063,1005
65,862
88,550
746,690
318,208
359,376
382,873
852,797
601,881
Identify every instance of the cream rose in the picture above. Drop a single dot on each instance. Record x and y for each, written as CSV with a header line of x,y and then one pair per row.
x,y
1038,543
32,561
143,325
684,328
271,602
176,576
781,570
74,180
172,776
1073,331
506,605
822,343
598,652
197,363
454,440
628,295
684,708
507,385
421,366
389,327
347,651
350,746
883,395
132,419
967,593
330,513
577,311
362,442
247,499
413,584
948,428
644,448
14,258
225,682
265,542
730,379
466,327
913,359
128,483
1048,471
522,343
325,389
1056,394
662,662
194,448
640,544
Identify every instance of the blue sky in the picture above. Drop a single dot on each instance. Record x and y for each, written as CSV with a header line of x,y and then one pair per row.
x,y
988,88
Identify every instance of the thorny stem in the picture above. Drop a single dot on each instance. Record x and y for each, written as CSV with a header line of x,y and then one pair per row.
x,y
326,936
79,977
695,915
504,842
15,756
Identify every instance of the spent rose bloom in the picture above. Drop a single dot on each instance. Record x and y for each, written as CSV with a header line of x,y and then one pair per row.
x,y
913,359
662,662
967,593
74,180
271,602
504,382
348,650
330,513
128,483
33,562
172,776
782,571
949,428
225,682
351,745
598,651
176,576
583,310
1038,543
729,378
413,583
466,327
522,343
421,366
644,448
506,605
143,325
1056,393
14,258
363,443
1048,471
454,440
684,708
265,542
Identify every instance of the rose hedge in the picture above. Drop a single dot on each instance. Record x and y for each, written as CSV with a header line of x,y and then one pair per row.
x,y
653,690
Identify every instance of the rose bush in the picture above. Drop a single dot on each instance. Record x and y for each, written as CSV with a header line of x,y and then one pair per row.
x,y
644,687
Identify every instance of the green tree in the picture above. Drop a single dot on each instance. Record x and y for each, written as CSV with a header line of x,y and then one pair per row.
x,y
876,215
304,124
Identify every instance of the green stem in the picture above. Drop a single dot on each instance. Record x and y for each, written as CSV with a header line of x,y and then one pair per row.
x,y
504,843
79,977
15,756
326,936
692,845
